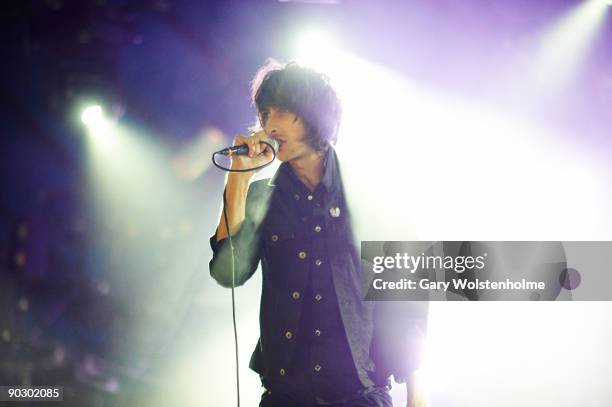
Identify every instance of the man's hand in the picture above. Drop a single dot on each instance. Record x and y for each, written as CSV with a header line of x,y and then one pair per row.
x,y
415,392
259,153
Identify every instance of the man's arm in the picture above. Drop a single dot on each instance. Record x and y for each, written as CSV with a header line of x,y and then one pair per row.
x,y
235,194
410,350
405,327
234,269
407,330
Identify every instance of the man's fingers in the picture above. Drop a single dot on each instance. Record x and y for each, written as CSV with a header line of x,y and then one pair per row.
x,y
252,147
239,140
258,136
256,147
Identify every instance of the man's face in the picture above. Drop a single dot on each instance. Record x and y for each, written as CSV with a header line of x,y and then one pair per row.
x,y
287,129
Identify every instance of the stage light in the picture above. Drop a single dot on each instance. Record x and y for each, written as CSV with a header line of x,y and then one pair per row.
x,y
313,41
92,116
565,45
100,128
315,48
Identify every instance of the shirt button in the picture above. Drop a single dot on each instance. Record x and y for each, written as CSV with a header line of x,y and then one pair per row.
x,y
309,197
318,297
282,372
302,255
318,262
317,368
288,335
295,295
317,228
317,332
296,197
274,238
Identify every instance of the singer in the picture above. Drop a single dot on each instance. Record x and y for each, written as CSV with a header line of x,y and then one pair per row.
x,y
320,343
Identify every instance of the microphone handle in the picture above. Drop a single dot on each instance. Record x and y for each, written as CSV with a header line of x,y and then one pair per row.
x,y
242,149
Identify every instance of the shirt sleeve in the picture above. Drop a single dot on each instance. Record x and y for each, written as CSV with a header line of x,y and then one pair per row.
x,y
412,347
246,245
402,326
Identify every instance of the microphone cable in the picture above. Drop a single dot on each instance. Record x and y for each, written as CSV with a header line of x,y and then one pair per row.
x,y
229,236
245,169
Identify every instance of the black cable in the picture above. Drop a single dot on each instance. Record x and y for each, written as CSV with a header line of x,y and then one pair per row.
x,y
229,236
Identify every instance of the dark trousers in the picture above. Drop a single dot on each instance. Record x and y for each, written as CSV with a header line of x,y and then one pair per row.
x,y
377,397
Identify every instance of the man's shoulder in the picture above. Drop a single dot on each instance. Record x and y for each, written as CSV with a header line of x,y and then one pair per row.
x,y
262,183
258,199
260,190
261,186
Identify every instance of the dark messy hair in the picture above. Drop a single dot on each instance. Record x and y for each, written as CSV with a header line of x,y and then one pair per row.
x,y
304,92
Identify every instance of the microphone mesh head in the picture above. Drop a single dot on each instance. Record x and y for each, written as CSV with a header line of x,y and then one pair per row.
x,y
273,143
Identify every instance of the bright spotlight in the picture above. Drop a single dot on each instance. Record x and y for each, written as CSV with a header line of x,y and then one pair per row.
x,y
565,44
314,48
100,129
92,116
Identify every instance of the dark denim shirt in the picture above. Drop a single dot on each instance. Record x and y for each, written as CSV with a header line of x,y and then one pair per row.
x,y
316,333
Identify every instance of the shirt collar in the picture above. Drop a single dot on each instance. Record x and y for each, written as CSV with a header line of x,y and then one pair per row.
x,y
285,178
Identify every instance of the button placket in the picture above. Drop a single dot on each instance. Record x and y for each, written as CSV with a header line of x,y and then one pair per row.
x,y
312,224
314,219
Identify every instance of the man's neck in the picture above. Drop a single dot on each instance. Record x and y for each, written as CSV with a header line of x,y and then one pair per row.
x,y
309,169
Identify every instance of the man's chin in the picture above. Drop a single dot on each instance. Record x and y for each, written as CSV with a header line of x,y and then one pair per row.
x,y
282,155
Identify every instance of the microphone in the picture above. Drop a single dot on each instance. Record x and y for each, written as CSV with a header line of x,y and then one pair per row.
x,y
243,149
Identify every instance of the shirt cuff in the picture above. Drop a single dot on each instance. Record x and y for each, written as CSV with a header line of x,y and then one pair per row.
x,y
214,245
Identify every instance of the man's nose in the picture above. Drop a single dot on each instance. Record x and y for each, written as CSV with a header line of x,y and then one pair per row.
x,y
270,128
